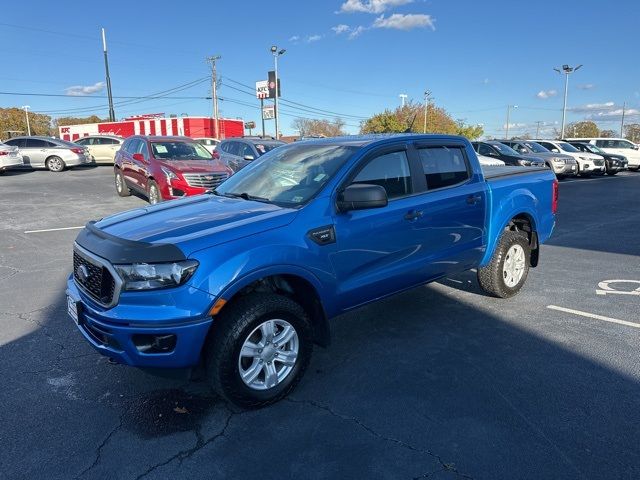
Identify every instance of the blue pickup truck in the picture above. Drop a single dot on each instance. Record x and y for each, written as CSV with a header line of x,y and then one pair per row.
x,y
244,279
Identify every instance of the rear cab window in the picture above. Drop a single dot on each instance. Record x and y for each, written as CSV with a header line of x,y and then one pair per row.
x,y
444,166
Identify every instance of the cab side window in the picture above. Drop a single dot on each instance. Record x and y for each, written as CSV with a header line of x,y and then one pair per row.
x,y
390,171
485,150
444,166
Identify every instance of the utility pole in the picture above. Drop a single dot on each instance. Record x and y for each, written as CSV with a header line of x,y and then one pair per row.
x,y
538,128
276,53
403,97
427,96
26,114
214,94
508,115
112,113
624,106
566,70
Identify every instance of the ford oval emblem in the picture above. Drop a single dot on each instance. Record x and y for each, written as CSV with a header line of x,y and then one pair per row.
x,y
82,273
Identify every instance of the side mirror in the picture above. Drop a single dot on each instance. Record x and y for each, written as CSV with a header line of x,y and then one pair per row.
x,y
138,157
361,196
522,150
249,158
555,150
635,147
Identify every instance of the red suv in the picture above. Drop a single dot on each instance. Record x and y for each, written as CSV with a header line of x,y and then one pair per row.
x,y
164,168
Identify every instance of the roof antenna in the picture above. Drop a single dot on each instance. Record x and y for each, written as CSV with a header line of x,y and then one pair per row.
x,y
408,130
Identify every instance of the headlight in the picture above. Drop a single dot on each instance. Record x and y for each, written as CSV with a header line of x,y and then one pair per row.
x,y
525,163
559,160
169,174
586,159
148,276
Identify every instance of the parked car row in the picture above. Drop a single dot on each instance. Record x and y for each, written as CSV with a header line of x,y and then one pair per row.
x,y
50,153
570,157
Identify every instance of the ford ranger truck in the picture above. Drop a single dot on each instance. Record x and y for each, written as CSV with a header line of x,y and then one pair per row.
x,y
243,280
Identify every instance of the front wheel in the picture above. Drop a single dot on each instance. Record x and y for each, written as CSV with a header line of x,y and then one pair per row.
x,y
55,164
121,185
154,194
258,349
507,272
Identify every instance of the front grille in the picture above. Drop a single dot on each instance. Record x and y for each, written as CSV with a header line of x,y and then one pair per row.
x,y
598,163
205,180
98,282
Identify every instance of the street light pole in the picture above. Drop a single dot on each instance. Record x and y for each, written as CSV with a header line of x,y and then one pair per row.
x,y
214,94
112,114
276,53
624,106
26,114
566,70
508,115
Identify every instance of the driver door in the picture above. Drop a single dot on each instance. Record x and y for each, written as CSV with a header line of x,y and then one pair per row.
x,y
377,249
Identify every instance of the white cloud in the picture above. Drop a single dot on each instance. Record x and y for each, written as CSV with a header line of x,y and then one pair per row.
x,y
485,81
409,21
294,39
370,6
593,107
614,115
586,86
342,28
356,32
82,90
543,94
313,38
515,126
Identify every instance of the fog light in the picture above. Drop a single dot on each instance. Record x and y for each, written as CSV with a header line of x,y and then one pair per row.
x,y
155,343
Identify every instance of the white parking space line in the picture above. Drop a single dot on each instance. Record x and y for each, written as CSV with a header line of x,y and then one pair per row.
x,y
594,316
53,229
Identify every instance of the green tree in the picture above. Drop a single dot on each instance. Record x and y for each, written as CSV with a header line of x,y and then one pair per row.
x,y
13,122
411,117
581,129
62,121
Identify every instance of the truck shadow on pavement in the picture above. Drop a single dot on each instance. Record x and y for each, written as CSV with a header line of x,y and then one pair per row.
x,y
421,385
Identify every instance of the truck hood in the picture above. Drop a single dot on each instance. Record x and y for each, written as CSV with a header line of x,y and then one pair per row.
x,y
187,222
195,166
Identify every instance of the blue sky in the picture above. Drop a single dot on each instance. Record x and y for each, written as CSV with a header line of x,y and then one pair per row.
x,y
350,57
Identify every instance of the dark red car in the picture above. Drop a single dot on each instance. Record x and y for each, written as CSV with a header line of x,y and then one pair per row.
x,y
164,168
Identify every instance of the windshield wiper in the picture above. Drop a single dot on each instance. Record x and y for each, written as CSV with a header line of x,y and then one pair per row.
x,y
246,196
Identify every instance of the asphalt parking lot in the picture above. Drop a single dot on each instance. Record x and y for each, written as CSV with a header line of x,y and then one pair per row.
x,y
438,382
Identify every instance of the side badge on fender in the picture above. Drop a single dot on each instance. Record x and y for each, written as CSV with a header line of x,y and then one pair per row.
x,y
323,235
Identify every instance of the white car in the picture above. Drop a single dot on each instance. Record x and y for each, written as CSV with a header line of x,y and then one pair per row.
x,y
209,143
490,162
588,163
9,157
102,148
617,146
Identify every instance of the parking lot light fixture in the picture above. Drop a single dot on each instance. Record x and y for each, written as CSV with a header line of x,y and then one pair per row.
x,y
276,53
26,114
509,107
566,71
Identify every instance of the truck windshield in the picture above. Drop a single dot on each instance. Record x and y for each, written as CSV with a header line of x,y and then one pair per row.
x,y
171,150
289,175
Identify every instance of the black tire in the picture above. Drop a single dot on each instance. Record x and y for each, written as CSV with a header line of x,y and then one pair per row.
x,y
612,172
121,185
230,330
634,169
55,164
491,277
153,198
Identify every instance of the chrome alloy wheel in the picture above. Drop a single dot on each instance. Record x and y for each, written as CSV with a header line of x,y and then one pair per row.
x,y
154,195
268,354
119,186
513,266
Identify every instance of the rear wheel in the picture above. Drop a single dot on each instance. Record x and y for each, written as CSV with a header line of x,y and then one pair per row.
x,y
154,194
55,164
507,272
121,186
258,349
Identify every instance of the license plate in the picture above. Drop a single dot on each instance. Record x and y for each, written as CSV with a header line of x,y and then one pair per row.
x,y
72,309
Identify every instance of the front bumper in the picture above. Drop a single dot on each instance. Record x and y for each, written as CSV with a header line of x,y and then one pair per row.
x,y
565,168
122,332
587,167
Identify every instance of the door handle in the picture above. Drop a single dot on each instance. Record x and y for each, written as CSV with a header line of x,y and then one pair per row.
x,y
473,199
413,215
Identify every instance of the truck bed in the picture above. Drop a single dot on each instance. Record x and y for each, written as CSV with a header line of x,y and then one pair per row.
x,y
491,172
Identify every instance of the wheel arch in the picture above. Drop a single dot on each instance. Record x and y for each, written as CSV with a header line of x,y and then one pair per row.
x,y
523,221
293,282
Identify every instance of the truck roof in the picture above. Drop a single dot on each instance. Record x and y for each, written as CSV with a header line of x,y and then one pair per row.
x,y
362,140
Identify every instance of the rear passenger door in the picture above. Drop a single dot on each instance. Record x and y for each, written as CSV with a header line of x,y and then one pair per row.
x,y
452,225
37,151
